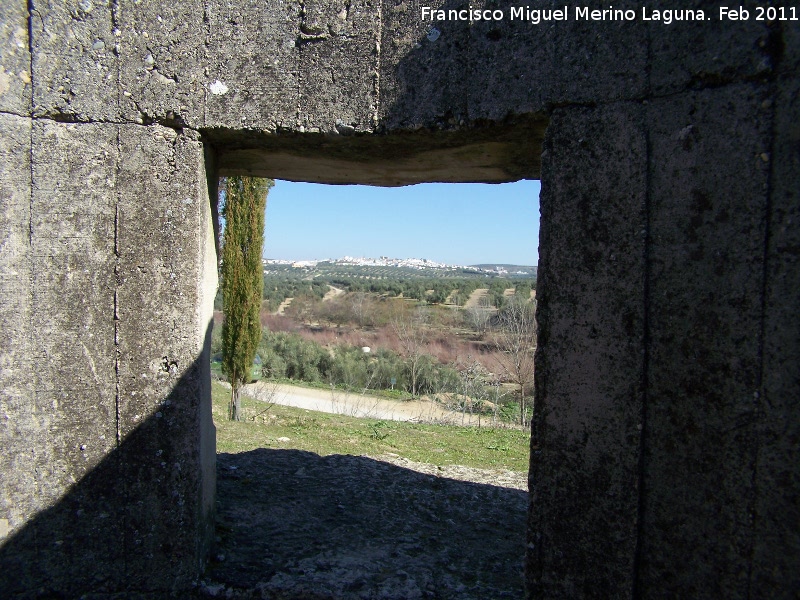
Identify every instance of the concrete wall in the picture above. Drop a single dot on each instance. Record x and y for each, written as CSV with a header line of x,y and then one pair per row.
x,y
105,386
108,278
666,424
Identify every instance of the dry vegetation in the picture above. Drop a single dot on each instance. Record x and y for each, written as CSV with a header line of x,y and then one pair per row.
x,y
450,340
415,347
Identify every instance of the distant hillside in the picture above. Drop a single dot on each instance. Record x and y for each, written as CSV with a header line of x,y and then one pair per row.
x,y
391,268
515,269
325,270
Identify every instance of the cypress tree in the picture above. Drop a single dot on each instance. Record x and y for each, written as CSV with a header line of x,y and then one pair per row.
x,y
242,279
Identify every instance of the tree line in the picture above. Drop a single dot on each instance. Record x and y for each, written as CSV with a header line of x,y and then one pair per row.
x,y
289,355
509,333
430,290
278,289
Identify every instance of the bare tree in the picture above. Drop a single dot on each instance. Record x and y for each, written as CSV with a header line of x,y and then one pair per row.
x,y
412,332
472,387
478,317
360,305
267,392
515,338
495,383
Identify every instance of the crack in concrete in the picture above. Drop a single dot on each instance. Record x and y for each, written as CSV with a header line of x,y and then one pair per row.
x,y
641,469
646,294
299,96
115,8
71,118
11,113
758,400
376,80
30,48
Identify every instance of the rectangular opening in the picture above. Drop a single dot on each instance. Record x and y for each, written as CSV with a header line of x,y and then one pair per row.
x,y
350,500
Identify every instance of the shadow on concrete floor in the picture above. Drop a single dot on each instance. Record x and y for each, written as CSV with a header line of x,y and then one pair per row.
x,y
292,524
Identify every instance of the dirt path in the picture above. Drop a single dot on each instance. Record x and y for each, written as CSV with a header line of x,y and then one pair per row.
x,y
283,306
475,297
356,405
295,525
332,293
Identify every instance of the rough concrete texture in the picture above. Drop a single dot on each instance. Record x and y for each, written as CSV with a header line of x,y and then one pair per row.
x,y
257,85
15,64
75,61
600,61
338,72
505,152
589,393
710,52
777,503
164,294
704,308
520,55
162,65
72,328
105,422
17,497
665,429
422,73
787,45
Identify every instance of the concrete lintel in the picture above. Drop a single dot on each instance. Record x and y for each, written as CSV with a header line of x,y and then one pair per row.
x,y
492,155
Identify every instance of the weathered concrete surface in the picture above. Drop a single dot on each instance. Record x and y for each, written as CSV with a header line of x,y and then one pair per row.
x,y
521,57
244,89
704,308
776,509
600,61
166,284
74,60
338,72
106,398
72,335
423,81
15,61
664,459
17,487
589,386
504,152
708,53
162,61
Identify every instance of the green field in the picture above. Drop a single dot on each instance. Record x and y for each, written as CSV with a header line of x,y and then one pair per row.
x,y
323,433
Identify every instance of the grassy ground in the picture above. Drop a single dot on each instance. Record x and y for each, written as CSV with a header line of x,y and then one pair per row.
x,y
325,434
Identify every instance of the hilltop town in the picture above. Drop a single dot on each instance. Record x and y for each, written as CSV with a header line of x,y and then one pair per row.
x,y
421,264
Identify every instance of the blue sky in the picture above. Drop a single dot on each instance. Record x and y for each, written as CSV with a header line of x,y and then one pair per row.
x,y
461,223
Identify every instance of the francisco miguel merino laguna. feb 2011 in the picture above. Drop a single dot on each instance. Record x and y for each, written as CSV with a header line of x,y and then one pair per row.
x,y
579,13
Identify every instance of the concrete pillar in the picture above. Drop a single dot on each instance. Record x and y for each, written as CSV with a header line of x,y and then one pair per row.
x,y
18,429
109,260
707,222
585,446
776,509
166,286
